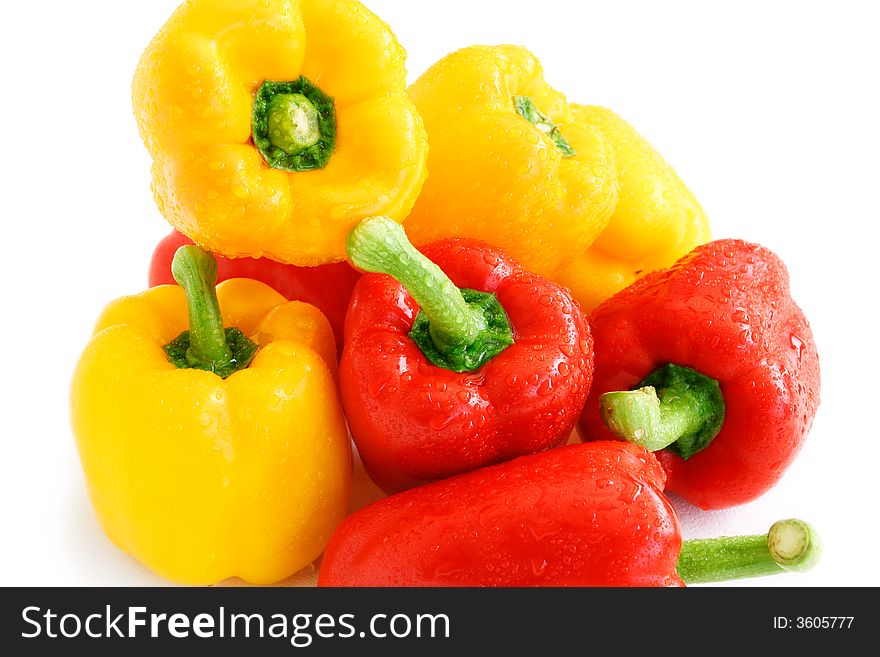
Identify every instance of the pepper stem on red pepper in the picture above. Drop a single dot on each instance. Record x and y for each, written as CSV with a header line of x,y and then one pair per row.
x,y
790,545
457,329
674,408
206,345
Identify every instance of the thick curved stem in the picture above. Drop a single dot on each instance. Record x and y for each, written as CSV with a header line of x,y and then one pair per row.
x,y
463,332
673,407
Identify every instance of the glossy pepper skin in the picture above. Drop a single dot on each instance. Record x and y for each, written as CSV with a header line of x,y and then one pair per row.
x,y
195,96
415,422
584,515
724,310
656,219
496,176
203,478
327,287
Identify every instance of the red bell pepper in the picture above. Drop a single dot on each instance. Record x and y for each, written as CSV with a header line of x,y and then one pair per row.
x,y
584,515
327,287
435,380
718,371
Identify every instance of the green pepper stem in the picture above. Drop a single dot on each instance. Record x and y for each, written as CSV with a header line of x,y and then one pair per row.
x,y
638,417
674,407
293,123
379,245
196,272
790,545
544,124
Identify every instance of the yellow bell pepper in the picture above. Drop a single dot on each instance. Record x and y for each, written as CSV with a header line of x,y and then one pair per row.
x,y
202,477
510,163
655,222
573,192
276,125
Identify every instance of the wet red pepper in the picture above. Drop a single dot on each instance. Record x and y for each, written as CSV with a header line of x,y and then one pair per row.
x,y
719,371
422,402
327,287
584,515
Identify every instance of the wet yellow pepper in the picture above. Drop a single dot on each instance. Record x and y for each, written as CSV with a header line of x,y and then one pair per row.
x,y
202,477
276,125
573,192
509,161
655,222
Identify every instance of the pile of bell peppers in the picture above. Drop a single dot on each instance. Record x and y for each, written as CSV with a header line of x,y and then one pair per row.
x,y
319,286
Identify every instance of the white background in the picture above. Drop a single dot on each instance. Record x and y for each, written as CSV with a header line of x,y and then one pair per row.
x,y
768,110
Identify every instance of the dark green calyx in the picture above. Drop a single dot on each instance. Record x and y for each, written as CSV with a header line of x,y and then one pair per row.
x,y
675,408
240,346
206,345
543,123
457,329
294,125
491,341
